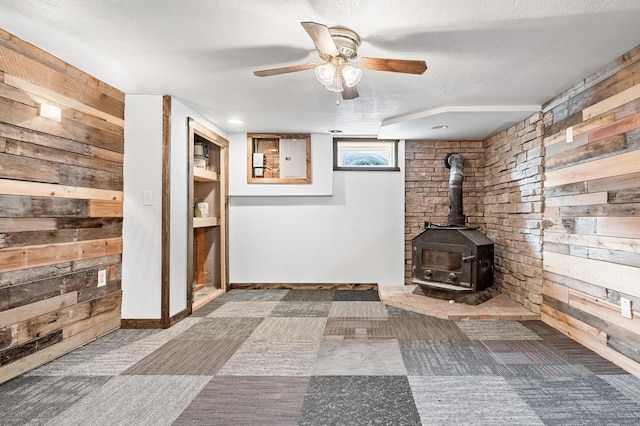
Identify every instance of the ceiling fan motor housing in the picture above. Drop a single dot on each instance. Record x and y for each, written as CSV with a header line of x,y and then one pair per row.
x,y
346,40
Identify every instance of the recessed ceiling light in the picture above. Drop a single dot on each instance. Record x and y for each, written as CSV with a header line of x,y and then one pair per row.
x,y
440,127
334,131
234,121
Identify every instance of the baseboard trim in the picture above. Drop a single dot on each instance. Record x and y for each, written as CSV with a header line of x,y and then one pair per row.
x,y
303,286
141,323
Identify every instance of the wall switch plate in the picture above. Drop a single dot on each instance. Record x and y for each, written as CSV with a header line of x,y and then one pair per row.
x,y
569,133
102,277
625,307
147,198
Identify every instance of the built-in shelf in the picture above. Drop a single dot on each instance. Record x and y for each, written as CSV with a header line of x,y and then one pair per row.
x,y
205,222
204,175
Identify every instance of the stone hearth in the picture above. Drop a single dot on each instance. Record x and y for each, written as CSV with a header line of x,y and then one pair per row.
x,y
497,308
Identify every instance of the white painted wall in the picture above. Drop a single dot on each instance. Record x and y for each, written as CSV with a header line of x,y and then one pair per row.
x,y
142,225
355,235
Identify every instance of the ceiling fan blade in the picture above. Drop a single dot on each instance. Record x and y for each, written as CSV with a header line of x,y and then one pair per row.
x,y
349,92
321,37
284,70
393,65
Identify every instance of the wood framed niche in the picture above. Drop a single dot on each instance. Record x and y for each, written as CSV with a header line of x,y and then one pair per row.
x,y
279,158
207,260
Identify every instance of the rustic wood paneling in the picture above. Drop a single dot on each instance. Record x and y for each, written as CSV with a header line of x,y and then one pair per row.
x,y
60,207
592,213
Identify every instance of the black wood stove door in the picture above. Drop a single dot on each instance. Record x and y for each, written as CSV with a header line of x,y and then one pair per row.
x,y
443,263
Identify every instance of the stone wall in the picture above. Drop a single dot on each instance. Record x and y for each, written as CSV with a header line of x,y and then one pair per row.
x,y
513,201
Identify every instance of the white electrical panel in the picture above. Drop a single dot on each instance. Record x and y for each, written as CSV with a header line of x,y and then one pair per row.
x,y
293,158
258,159
258,164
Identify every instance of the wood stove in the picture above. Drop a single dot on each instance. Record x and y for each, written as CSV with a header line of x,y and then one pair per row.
x,y
453,257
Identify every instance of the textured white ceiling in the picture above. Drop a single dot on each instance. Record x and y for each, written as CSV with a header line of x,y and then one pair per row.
x,y
491,62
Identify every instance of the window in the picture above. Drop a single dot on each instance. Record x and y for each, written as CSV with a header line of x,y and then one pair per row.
x,y
365,154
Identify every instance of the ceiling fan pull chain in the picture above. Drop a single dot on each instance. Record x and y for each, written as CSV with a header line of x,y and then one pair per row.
x,y
337,99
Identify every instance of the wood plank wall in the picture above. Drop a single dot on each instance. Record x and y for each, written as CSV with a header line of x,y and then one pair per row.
x,y
592,211
60,207
427,187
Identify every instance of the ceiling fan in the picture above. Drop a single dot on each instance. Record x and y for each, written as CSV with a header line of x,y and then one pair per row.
x,y
340,72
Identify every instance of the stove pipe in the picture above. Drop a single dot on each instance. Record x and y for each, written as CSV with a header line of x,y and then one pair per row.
x,y
455,162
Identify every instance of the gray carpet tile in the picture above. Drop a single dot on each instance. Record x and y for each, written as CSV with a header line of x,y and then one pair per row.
x,y
232,401
626,384
496,330
575,353
358,310
244,309
97,360
470,400
530,357
163,336
301,357
281,329
134,400
301,309
356,295
576,400
426,328
359,400
359,357
447,358
186,358
260,358
309,296
544,330
32,400
256,295
221,329
347,328
207,308
392,311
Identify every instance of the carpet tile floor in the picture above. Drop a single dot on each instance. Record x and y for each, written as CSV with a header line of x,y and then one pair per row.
x,y
325,357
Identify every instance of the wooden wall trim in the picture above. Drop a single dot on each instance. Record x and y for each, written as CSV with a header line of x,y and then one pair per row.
x,y
132,323
166,212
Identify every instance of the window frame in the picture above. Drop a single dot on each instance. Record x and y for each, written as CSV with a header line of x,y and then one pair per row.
x,y
390,146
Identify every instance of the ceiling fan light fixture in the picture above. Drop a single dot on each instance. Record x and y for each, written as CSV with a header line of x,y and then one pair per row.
x,y
352,75
325,73
335,85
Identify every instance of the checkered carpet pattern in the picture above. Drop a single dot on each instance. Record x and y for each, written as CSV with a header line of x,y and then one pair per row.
x,y
325,357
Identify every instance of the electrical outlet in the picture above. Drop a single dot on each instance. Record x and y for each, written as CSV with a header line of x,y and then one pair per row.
x,y
102,277
625,307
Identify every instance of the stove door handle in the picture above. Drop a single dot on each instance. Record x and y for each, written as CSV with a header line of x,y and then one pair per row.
x,y
468,258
